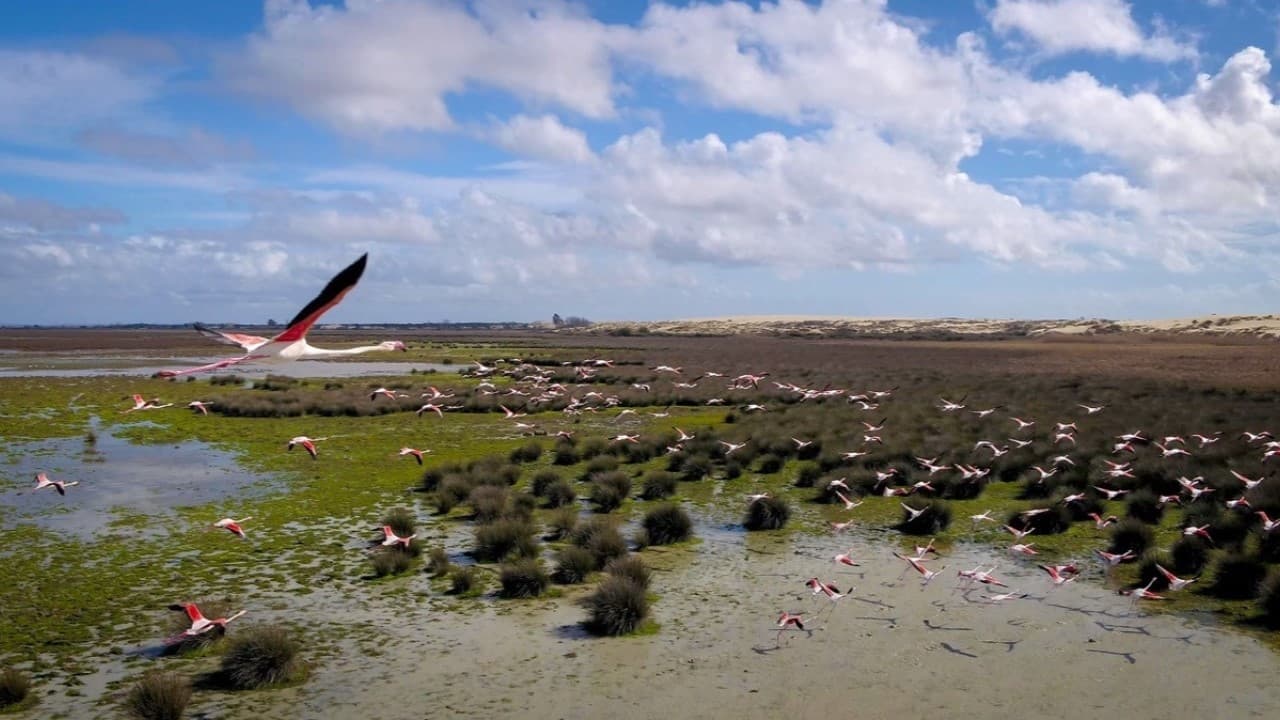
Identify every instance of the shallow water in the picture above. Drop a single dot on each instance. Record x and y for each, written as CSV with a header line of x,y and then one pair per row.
x,y
84,365
116,478
892,648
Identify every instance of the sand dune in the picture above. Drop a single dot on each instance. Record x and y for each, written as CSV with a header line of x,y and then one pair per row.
x,y
1262,326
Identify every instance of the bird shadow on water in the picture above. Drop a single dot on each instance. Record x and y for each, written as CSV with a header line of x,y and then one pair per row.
x,y
957,651
1126,655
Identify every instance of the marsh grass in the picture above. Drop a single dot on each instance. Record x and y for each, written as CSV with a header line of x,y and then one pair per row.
x,y
609,490
560,494
504,538
562,522
15,688
524,578
1131,535
658,485
769,513
617,607
1269,599
390,561
438,562
488,503
464,581
600,537
573,565
1237,576
159,695
402,521
631,567
1190,555
260,656
666,524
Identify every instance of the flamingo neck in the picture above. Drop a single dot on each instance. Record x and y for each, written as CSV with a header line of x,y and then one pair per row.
x,y
314,352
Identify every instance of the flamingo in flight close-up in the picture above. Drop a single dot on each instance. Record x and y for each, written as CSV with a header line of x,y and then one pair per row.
x,y
292,344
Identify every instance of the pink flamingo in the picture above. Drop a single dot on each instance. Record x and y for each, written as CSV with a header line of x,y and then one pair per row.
x,y
201,405
199,623
787,621
233,526
43,481
416,453
308,444
390,538
292,344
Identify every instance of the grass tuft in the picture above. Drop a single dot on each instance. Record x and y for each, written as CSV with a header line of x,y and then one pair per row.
x,y
767,514
617,607
260,657
667,524
159,695
573,565
524,578
15,687
631,567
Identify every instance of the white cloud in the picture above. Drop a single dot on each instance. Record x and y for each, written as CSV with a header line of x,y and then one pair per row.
x,y
1099,26
46,93
543,137
376,66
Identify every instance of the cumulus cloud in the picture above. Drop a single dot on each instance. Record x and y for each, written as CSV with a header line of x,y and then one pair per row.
x,y
194,148
38,215
375,66
1099,26
48,92
544,138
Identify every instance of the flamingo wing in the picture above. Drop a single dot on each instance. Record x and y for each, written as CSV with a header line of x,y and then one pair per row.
x,y
242,340
331,295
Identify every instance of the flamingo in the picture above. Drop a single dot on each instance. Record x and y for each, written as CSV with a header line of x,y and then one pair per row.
x,y
993,599
730,447
1268,525
1091,409
141,403
1249,483
848,504
828,590
984,517
201,405
1023,424
1018,534
43,481
387,392
919,567
233,526
1056,575
1111,494
391,539
684,436
948,406
1020,549
874,428
1202,531
1238,503
912,512
1019,444
308,444
436,394
842,526
801,444
1171,451
199,623
787,621
1101,522
432,407
1113,559
844,558
416,453
1175,582
1143,593
291,344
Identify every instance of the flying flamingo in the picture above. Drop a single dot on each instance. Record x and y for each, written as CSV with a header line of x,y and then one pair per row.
x,y
1102,522
844,558
1143,593
1020,549
828,590
390,538
201,405
292,344
141,403
1113,559
199,623
786,621
308,444
916,565
233,526
387,392
984,517
438,410
848,504
1175,582
416,453
43,481
1268,525
1057,576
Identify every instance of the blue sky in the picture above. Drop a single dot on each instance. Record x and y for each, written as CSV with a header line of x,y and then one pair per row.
x,y
504,160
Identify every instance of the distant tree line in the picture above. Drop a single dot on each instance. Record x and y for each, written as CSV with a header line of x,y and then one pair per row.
x,y
569,322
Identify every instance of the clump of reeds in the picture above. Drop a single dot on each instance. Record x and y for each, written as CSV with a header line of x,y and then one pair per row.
x,y
632,568
1130,535
666,524
1238,576
15,687
769,513
658,484
523,579
464,580
159,695
260,657
573,565
601,538
617,607
500,539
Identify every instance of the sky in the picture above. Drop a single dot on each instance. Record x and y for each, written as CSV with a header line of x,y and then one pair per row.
x,y
503,160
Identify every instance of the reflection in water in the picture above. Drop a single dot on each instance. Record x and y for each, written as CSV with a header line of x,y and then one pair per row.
x,y
115,476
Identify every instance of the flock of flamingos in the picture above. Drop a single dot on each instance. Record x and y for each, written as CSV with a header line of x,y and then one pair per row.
x,y
291,344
